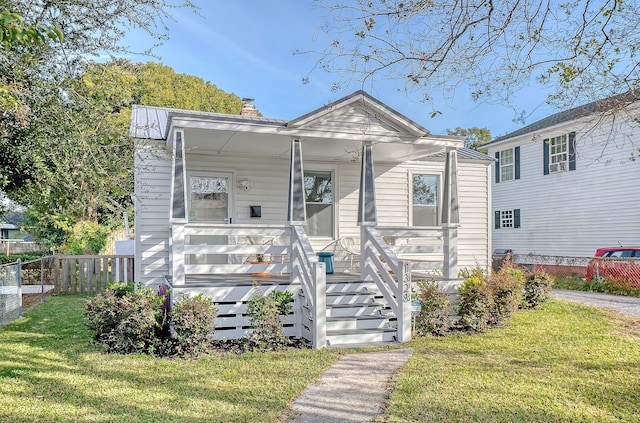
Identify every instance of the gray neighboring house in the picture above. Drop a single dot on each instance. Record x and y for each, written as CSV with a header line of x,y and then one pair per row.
x,y
10,227
568,184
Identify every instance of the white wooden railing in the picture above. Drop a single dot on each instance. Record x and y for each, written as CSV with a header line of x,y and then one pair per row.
x,y
306,270
392,277
201,250
223,249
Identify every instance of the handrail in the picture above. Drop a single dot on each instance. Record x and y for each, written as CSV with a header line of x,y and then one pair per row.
x,y
391,275
306,269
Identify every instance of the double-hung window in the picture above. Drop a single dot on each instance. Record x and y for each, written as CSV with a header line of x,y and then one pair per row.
x,y
425,200
507,164
318,189
559,153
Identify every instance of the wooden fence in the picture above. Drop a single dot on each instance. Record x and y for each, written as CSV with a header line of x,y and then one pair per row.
x,y
78,274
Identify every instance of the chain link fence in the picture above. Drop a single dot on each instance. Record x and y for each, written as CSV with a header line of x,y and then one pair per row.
x,y
10,292
622,272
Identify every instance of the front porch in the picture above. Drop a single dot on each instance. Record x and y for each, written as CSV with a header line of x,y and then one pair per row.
x,y
214,245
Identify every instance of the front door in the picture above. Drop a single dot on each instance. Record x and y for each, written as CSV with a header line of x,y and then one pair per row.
x,y
211,197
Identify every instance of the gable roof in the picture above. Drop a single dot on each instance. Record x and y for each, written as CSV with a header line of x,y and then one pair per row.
x,y
367,105
598,106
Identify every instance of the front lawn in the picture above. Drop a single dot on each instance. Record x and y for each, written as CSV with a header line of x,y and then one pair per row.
x,y
562,363
50,371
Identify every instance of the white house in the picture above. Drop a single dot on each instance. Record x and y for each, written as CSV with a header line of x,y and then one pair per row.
x,y
391,201
567,184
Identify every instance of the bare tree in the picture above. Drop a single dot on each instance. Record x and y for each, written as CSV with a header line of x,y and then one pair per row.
x,y
582,50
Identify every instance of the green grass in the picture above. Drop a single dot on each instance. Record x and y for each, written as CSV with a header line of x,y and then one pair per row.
x,y
562,363
50,371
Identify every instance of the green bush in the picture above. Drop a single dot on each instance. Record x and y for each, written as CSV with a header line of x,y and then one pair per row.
x,y
506,290
192,319
283,300
434,313
12,258
126,321
537,289
264,317
474,303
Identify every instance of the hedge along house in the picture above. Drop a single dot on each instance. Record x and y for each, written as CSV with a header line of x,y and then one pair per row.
x,y
226,200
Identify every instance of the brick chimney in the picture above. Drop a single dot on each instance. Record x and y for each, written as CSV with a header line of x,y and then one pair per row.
x,y
248,109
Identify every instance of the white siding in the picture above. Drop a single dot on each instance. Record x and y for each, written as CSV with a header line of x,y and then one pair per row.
x,y
572,213
269,181
152,192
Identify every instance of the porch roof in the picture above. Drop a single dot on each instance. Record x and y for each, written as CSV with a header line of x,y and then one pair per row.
x,y
333,132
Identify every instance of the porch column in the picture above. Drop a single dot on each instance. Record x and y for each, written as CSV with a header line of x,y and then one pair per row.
x,y
297,213
178,209
367,215
450,215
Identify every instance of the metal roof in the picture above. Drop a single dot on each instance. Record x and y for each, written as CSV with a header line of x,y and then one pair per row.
x,y
467,154
149,122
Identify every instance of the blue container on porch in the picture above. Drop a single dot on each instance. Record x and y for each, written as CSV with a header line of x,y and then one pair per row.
x,y
327,258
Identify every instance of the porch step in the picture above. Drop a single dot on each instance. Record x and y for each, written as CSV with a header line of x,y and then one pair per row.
x,y
360,336
353,309
357,322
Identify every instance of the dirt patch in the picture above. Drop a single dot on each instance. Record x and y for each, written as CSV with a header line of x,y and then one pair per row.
x,y
243,345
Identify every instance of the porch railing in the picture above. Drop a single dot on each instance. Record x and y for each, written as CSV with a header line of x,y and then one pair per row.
x,y
392,277
311,274
224,249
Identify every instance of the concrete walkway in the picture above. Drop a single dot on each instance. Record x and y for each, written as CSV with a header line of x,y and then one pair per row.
x,y
624,305
354,389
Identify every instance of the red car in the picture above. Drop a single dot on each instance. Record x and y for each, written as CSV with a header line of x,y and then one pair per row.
x,y
615,262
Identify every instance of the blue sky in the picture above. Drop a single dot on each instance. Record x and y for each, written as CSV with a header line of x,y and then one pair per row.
x,y
246,47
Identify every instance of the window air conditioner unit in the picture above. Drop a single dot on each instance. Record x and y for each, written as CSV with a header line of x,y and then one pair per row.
x,y
557,167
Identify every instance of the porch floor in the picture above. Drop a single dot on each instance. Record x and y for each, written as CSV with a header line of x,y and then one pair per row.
x,y
276,279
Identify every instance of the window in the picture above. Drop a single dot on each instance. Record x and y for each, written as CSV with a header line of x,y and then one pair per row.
x,y
425,200
507,219
209,197
508,164
559,153
318,189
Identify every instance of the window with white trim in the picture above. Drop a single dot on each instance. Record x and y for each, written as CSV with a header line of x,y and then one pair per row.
x,y
506,165
507,219
425,200
318,189
558,154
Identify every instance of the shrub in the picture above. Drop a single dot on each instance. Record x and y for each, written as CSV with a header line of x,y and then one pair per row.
x,y
473,304
537,289
126,321
434,314
264,316
505,288
283,300
193,319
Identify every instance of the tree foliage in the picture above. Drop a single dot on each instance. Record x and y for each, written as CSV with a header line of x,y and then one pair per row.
x,y
581,50
64,145
475,137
